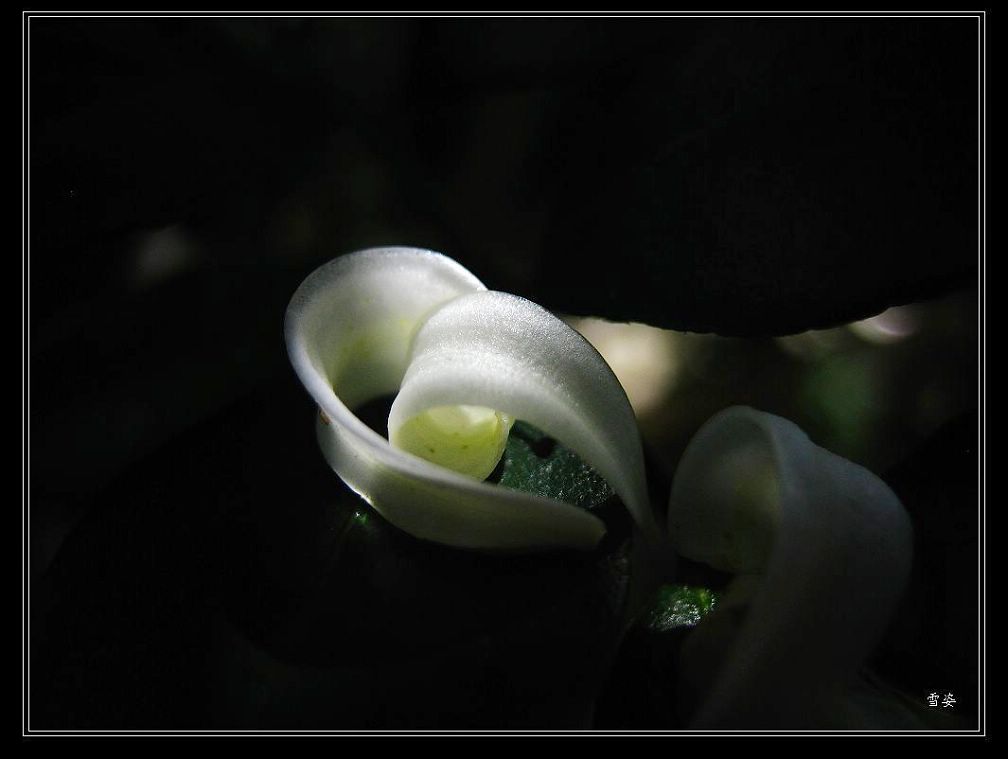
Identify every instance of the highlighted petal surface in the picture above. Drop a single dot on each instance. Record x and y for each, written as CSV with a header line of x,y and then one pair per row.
x,y
822,549
469,362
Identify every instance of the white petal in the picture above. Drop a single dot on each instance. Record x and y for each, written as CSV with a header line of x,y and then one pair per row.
x,y
349,328
498,350
350,323
830,543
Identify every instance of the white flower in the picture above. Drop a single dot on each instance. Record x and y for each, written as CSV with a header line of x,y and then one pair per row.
x,y
821,549
464,361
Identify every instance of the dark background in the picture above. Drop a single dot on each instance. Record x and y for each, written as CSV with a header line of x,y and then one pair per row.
x,y
750,178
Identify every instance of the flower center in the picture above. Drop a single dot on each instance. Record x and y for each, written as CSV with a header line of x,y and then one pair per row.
x,y
466,439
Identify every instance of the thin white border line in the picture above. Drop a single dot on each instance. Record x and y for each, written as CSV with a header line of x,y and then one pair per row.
x,y
982,448
503,15
540,16
517,732
26,377
26,432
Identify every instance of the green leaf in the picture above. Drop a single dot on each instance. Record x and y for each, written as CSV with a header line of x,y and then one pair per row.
x,y
642,690
678,606
535,463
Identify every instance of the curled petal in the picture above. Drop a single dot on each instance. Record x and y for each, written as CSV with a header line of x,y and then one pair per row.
x,y
498,350
350,323
353,328
824,547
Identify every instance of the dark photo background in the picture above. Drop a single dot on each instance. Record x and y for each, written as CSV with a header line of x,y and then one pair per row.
x,y
193,562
